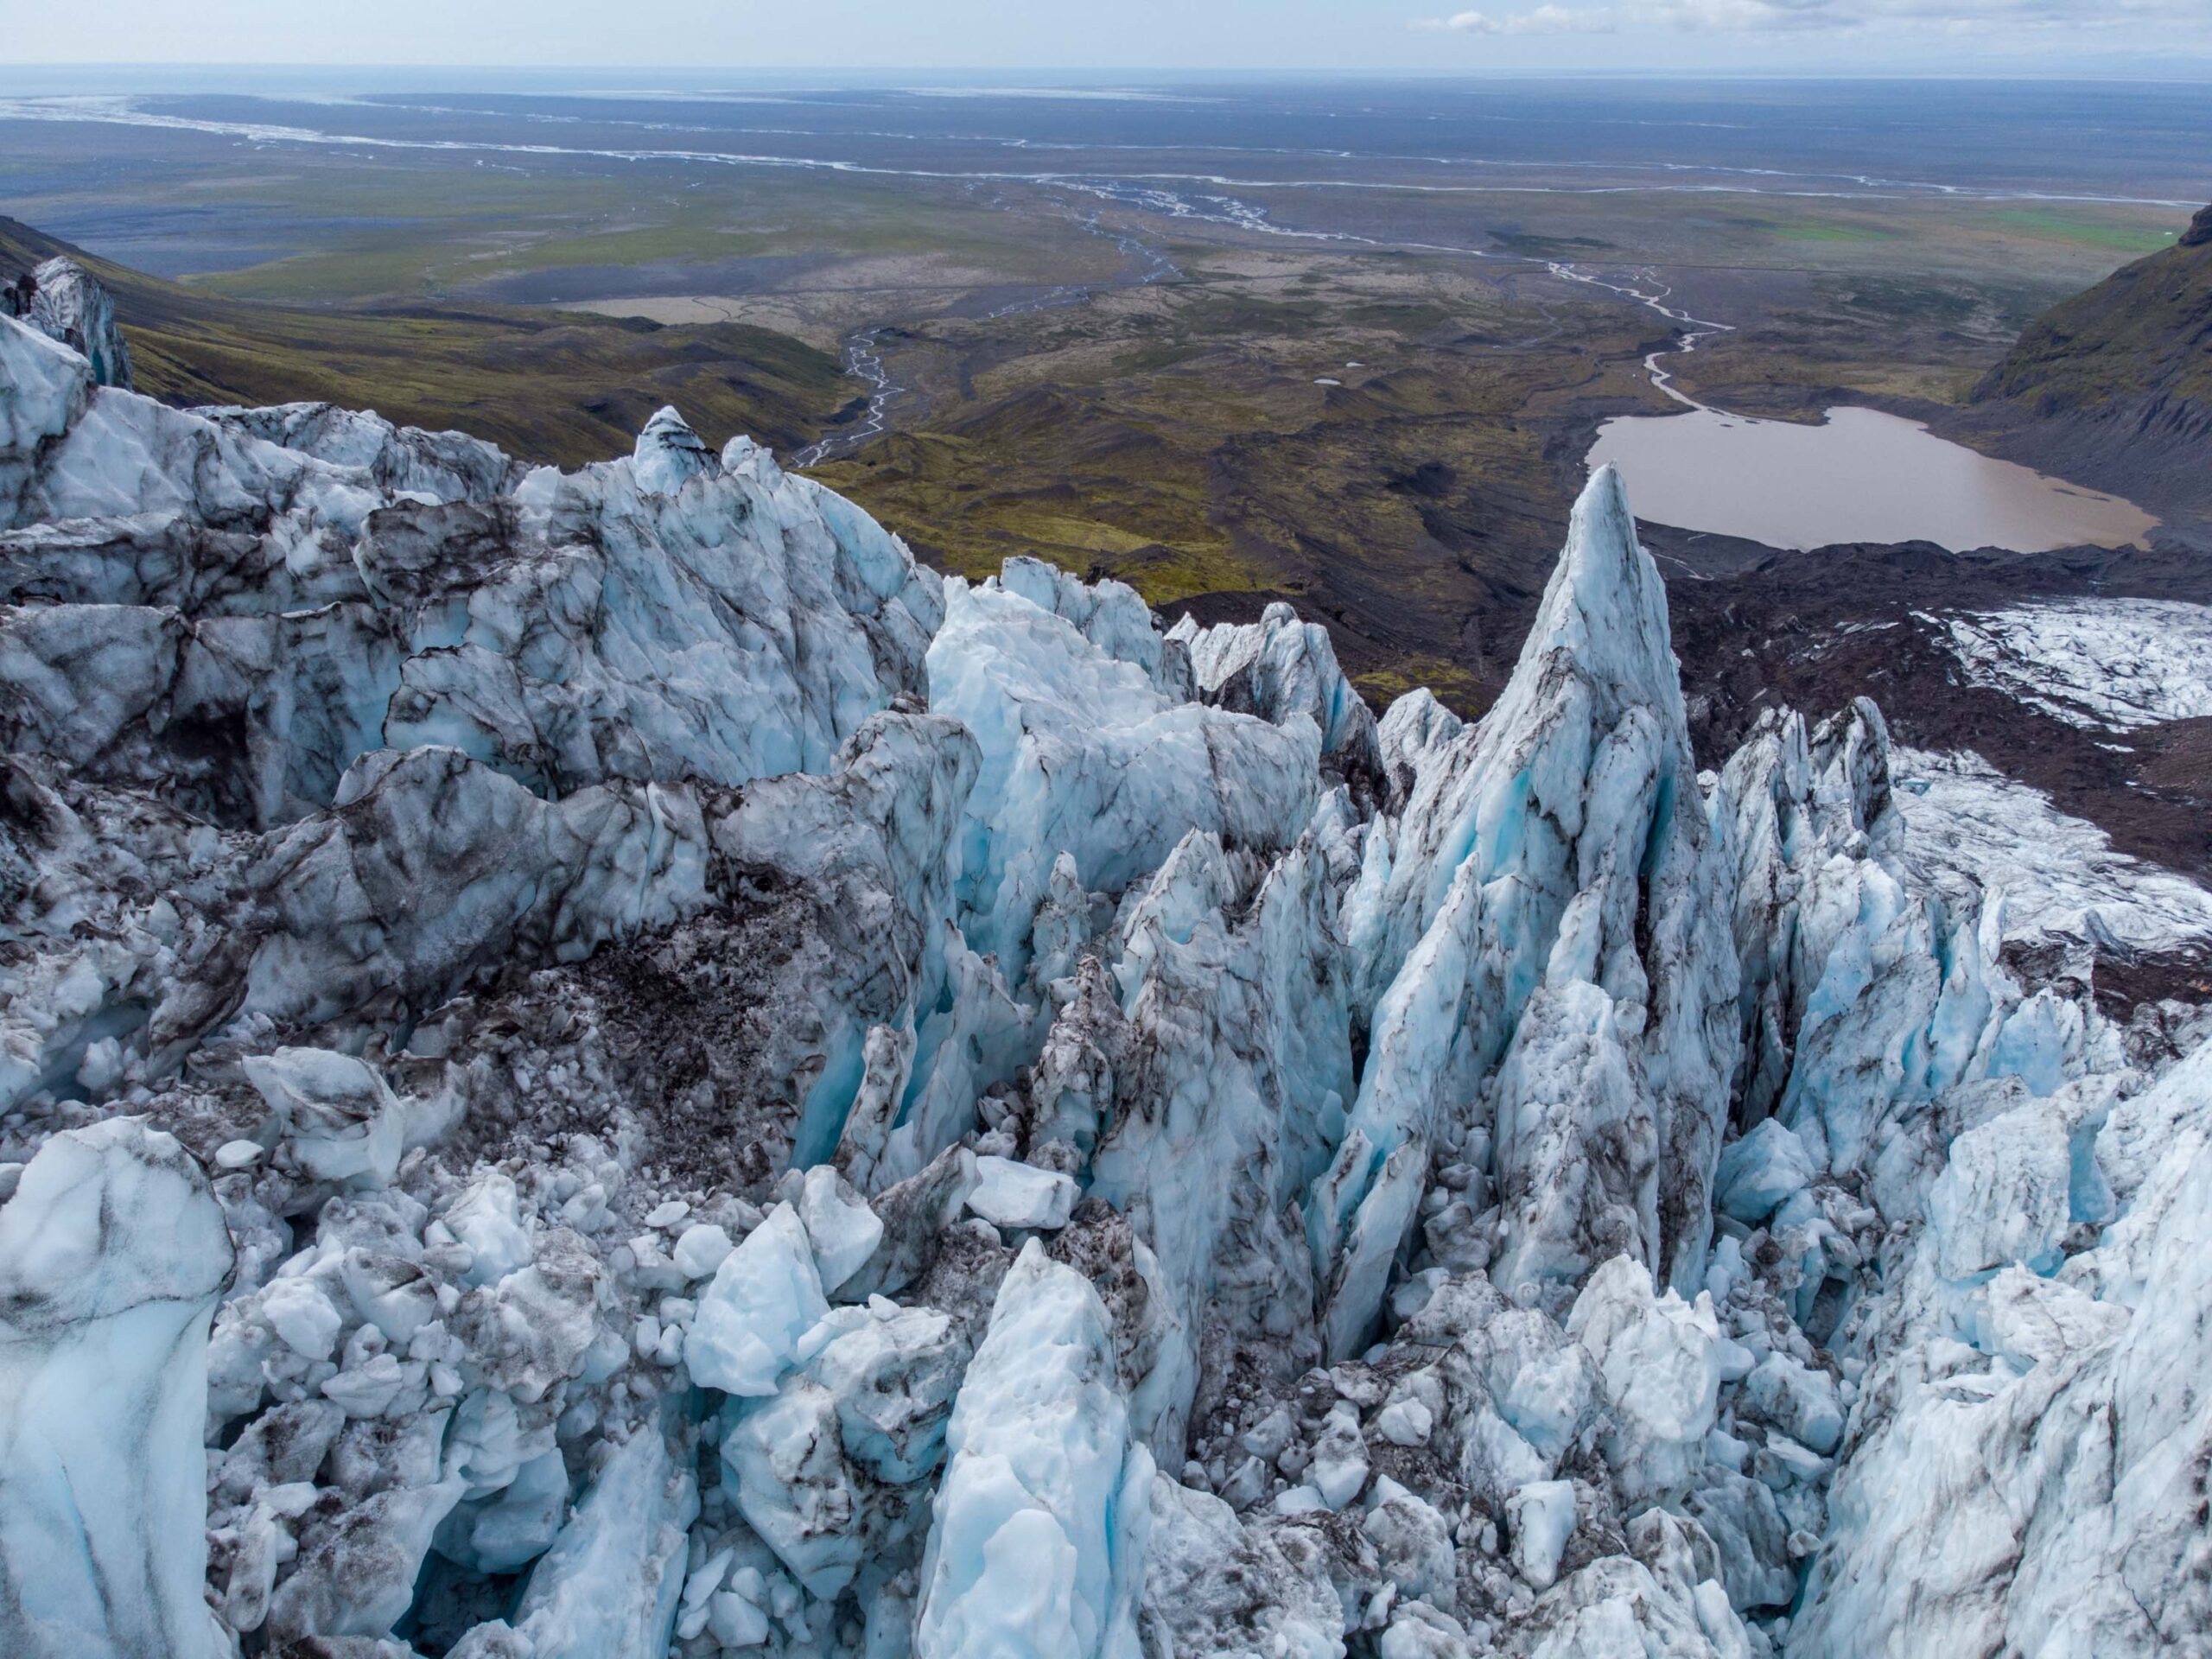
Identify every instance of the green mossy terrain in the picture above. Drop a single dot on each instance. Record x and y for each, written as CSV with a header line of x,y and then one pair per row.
x,y
2089,233
546,385
1179,438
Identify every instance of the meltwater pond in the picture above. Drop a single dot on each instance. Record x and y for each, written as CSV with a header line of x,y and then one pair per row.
x,y
1859,476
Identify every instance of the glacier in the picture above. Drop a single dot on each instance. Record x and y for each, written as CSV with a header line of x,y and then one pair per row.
x,y
2111,664
603,1064
1968,825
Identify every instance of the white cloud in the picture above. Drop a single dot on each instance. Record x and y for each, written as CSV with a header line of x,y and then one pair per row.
x,y
1544,20
1741,17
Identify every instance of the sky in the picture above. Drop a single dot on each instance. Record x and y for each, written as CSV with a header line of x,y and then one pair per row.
x,y
2144,38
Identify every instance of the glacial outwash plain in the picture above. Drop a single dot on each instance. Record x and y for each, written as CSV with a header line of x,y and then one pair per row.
x,y
1058,944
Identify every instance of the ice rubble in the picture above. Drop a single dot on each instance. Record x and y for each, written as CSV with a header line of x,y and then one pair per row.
x,y
728,1097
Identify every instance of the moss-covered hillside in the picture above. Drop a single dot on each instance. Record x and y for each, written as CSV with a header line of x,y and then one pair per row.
x,y
2135,349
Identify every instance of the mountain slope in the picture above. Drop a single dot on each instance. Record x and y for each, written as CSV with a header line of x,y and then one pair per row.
x,y
547,385
2118,380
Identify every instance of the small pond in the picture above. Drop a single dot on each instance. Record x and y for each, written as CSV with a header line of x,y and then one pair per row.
x,y
1859,476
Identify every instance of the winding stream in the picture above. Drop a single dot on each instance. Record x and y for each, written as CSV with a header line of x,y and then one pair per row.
x,y
1691,329
864,351
864,362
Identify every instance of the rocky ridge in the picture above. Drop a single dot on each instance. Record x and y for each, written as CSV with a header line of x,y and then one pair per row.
x,y
601,1064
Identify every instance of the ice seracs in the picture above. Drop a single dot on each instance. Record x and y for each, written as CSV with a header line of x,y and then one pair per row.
x,y
1547,973
64,301
599,1063
1038,1542
2071,1384
1278,666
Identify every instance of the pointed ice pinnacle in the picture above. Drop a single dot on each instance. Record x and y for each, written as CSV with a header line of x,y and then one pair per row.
x,y
1547,950
670,454
1037,1545
607,1588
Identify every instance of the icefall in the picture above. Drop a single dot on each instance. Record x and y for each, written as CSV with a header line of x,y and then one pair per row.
x,y
602,1065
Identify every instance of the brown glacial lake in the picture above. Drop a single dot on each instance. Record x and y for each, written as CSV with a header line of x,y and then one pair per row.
x,y
1859,476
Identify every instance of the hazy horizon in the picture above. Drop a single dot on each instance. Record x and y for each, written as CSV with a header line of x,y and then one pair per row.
x,y
1044,82
1966,39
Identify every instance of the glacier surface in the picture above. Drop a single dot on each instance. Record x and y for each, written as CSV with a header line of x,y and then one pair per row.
x,y
2113,664
1970,826
602,1065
